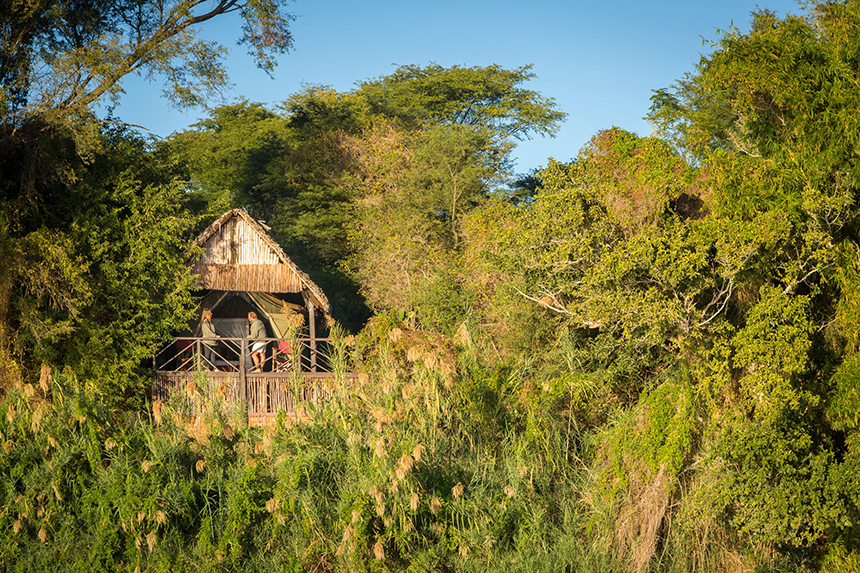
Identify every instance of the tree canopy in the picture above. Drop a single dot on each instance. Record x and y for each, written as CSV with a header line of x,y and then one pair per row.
x,y
60,58
490,98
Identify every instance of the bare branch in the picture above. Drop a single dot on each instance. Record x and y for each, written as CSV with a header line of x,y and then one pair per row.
x,y
726,295
555,306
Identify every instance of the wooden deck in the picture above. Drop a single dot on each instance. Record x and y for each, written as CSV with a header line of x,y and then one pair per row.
x,y
304,377
265,394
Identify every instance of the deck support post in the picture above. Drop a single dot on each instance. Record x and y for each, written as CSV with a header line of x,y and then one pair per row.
x,y
155,393
243,381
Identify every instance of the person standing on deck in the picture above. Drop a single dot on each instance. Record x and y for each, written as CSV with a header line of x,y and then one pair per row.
x,y
208,335
257,330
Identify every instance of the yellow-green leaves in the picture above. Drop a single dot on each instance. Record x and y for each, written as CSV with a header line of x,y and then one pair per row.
x,y
844,409
772,352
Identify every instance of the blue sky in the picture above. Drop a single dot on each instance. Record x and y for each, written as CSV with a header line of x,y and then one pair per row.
x,y
600,61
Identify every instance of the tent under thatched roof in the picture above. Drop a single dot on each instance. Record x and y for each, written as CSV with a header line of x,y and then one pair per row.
x,y
238,255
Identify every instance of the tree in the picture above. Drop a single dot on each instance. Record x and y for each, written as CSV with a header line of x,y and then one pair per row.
x,y
104,278
489,98
64,58
402,157
93,230
284,166
413,189
88,47
769,117
442,149
229,156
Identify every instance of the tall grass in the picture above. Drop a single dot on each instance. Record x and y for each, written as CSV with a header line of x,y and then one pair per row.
x,y
430,462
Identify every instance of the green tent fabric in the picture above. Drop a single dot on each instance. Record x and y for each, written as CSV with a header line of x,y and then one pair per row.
x,y
277,314
280,315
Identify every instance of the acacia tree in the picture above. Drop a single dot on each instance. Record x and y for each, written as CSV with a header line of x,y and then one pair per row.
x,y
489,98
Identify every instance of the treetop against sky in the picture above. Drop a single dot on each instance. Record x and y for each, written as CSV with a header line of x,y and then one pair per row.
x,y
599,61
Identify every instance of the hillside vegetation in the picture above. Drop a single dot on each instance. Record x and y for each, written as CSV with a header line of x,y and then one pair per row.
x,y
645,359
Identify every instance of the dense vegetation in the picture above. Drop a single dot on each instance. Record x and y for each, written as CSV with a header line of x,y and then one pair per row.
x,y
93,225
647,359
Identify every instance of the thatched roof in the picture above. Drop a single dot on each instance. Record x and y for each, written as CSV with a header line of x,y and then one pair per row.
x,y
239,255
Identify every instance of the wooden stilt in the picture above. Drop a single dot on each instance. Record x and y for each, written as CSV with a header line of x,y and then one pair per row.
x,y
243,380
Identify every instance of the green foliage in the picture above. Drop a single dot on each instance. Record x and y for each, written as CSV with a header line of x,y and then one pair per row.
x,y
773,350
86,50
608,242
208,153
392,477
671,427
775,484
111,279
369,189
847,277
487,98
655,360
738,267
444,303
844,408
657,436
93,227
697,120
408,225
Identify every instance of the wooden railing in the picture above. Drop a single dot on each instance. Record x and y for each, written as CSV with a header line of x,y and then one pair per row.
x,y
292,371
184,354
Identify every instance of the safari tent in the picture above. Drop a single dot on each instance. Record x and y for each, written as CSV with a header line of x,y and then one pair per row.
x,y
239,268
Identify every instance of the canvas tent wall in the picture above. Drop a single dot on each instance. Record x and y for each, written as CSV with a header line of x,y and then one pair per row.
x,y
278,315
282,316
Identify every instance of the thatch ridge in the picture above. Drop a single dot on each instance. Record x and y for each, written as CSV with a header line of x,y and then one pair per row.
x,y
258,227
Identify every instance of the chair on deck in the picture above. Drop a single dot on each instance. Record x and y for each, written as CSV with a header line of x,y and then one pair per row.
x,y
282,359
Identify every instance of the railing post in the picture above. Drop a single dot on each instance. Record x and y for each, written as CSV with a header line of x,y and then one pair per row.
x,y
312,322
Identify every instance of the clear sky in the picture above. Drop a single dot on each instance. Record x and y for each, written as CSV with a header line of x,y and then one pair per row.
x,y
600,61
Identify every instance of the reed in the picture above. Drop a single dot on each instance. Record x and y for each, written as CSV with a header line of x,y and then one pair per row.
x,y
421,465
